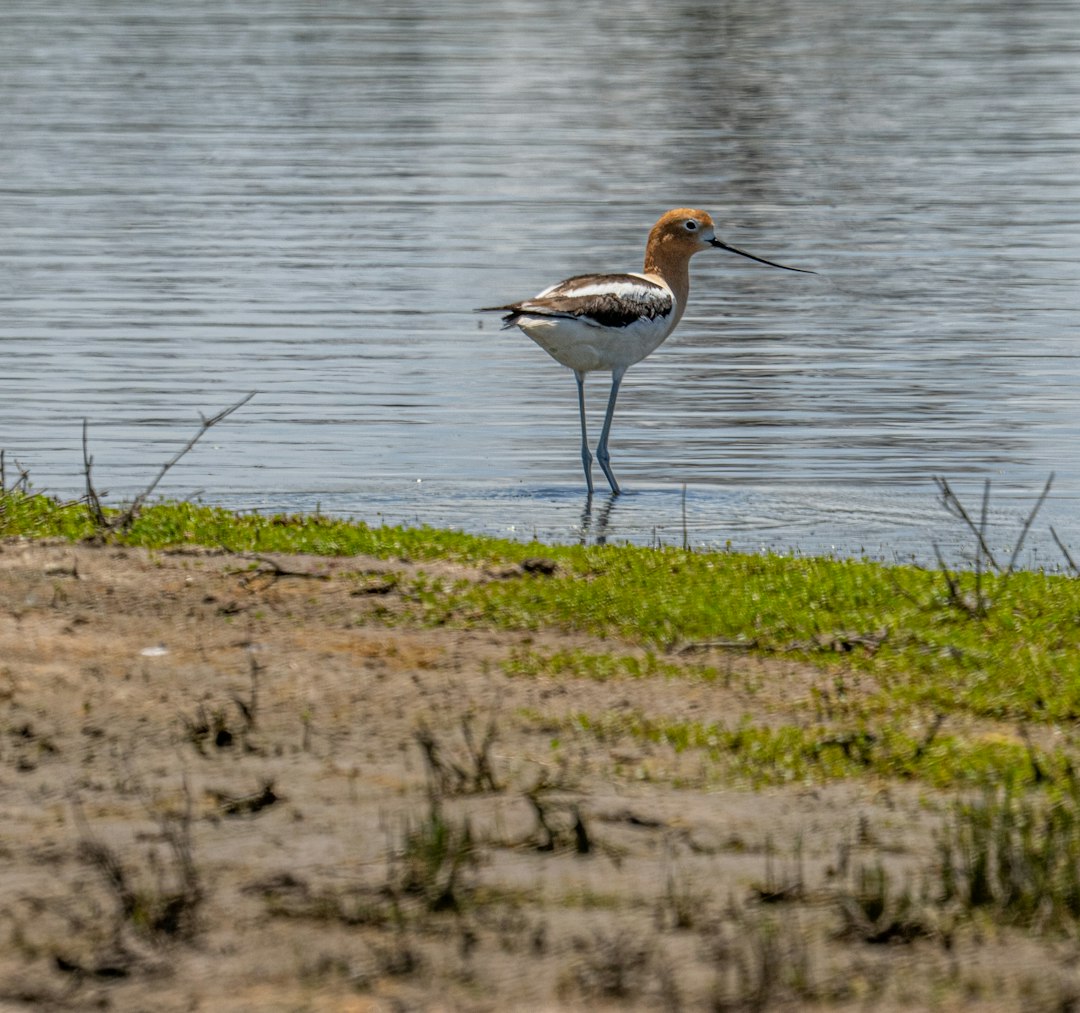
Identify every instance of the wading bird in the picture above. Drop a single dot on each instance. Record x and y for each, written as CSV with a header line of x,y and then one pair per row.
x,y
610,321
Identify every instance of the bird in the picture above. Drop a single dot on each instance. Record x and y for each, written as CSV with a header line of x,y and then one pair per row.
x,y
608,322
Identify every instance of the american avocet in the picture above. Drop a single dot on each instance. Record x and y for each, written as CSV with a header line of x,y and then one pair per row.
x,y
610,321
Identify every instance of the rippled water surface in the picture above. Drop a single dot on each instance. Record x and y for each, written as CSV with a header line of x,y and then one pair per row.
x,y
309,200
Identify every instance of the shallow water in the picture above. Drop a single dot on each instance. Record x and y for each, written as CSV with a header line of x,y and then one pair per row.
x,y
309,201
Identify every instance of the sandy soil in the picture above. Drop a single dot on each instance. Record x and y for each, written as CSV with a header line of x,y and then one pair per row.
x,y
210,776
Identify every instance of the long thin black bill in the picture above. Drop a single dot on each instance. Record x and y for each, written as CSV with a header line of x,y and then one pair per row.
x,y
760,260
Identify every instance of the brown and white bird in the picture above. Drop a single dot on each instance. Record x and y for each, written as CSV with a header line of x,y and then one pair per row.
x,y
610,321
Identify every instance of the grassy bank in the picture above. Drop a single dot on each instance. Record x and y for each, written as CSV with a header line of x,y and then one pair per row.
x,y
424,763
949,678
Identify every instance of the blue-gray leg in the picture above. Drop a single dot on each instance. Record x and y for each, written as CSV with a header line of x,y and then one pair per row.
x,y
586,457
602,454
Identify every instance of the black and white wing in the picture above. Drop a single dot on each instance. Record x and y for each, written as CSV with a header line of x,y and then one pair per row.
x,y
597,300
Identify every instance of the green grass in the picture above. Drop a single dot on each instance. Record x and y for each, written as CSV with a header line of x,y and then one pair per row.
x,y
789,753
577,663
896,631
1015,856
1019,662
166,525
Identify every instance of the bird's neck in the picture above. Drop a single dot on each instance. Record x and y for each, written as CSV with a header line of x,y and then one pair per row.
x,y
673,267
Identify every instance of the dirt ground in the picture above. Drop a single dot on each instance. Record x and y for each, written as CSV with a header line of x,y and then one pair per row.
x,y
229,785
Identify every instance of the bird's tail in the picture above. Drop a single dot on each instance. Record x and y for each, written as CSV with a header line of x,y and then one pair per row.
x,y
513,311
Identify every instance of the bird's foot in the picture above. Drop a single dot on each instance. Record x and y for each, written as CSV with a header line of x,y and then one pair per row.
x,y
608,473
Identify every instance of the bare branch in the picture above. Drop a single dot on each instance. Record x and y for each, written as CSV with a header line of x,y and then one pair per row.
x,y
93,501
1027,524
950,580
982,539
21,484
931,734
127,518
956,508
1064,551
272,568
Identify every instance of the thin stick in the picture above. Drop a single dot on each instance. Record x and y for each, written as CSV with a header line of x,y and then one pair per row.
x,y
1038,774
22,484
272,568
956,508
982,540
92,498
955,598
1064,551
129,515
928,739
1027,524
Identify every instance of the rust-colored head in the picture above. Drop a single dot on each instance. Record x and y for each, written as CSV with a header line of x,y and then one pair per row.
x,y
681,233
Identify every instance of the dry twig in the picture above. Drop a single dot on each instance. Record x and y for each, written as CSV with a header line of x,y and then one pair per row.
x,y
128,517
1064,551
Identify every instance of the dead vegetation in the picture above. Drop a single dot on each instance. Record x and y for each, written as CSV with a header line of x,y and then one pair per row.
x,y
107,523
162,900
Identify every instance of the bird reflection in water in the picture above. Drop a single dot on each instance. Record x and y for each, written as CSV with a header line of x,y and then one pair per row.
x,y
595,528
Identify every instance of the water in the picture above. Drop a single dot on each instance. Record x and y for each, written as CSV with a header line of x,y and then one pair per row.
x,y
309,200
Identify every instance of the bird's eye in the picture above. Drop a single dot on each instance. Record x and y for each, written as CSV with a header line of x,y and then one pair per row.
x,y
691,225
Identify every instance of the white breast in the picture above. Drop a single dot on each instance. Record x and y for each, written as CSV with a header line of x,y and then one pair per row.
x,y
588,347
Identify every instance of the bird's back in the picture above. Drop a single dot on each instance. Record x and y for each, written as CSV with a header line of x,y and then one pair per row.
x,y
597,321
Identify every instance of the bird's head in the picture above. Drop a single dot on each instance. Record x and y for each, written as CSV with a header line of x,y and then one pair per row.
x,y
683,232
684,229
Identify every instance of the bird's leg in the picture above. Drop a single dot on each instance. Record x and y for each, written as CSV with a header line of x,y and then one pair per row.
x,y
586,456
602,454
